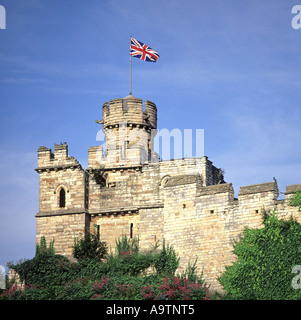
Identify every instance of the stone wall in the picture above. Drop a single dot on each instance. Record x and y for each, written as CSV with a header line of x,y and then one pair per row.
x,y
63,229
183,201
113,225
203,222
59,171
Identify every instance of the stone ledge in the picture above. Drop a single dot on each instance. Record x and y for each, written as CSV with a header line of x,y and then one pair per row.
x,y
215,189
180,180
118,167
126,210
258,188
60,212
59,167
293,188
42,148
115,211
110,124
152,205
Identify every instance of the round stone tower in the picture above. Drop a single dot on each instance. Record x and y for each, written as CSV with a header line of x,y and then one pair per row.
x,y
129,128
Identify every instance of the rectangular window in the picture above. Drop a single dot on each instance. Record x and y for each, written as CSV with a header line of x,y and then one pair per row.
x,y
97,231
131,230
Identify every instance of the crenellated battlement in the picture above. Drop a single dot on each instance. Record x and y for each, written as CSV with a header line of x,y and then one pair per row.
x,y
130,110
129,127
291,189
47,160
258,188
267,193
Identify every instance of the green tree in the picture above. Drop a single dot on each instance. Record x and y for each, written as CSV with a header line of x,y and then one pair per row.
x,y
89,248
265,259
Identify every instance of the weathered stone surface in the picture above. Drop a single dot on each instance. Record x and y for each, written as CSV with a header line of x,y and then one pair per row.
x,y
181,180
256,188
292,188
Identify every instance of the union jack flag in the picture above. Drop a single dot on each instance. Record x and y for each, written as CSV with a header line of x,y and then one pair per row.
x,y
142,51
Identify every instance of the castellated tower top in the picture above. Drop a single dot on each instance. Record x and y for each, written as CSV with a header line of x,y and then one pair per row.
x,y
131,111
129,127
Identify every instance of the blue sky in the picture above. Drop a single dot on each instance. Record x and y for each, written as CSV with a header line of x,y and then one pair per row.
x,y
231,68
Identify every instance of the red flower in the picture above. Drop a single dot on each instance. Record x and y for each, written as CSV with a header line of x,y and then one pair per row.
x,y
102,285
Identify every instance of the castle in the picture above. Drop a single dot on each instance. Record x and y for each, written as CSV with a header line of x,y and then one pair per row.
x,y
129,191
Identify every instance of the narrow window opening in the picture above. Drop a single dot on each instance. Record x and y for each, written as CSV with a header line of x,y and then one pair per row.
x,y
62,198
97,232
131,230
211,211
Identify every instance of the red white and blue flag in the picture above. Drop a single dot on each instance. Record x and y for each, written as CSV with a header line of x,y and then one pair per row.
x,y
142,51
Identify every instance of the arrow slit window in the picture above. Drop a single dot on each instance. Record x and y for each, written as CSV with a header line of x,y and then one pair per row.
x,y
62,198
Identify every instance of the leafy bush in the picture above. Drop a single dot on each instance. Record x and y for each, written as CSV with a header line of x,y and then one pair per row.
x,y
180,288
46,269
167,262
89,248
99,176
124,244
150,288
78,289
128,260
42,247
296,200
129,264
121,276
265,258
191,274
120,287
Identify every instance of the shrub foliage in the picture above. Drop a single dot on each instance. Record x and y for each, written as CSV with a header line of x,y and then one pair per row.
x,y
296,200
119,276
89,248
265,259
167,262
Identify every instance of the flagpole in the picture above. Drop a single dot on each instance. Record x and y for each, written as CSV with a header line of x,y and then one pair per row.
x,y
130,68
